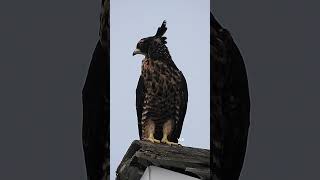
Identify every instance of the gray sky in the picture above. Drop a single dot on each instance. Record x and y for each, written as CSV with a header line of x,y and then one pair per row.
x,y
188,42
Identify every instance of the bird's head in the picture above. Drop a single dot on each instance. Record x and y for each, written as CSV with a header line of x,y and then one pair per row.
x,y
151,46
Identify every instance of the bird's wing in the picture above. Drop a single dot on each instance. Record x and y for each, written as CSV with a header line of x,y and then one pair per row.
x,y
139,103
237,109
231,117
183,108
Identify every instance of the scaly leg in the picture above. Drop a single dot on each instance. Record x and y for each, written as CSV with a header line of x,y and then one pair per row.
x,y
167,130
148,132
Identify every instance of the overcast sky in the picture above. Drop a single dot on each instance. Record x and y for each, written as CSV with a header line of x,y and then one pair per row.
x,y
188,42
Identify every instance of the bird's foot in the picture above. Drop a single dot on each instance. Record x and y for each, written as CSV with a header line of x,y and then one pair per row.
x,y
166,141
152,139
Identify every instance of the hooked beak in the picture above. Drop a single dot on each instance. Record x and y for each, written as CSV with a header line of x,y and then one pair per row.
x,y
136,51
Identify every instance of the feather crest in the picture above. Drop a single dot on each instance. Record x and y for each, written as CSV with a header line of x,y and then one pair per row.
x,y
162,29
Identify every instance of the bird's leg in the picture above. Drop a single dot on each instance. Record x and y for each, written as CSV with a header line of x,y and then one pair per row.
x,y
167,130
149,134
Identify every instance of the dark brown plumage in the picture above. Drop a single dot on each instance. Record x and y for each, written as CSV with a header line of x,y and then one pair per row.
x,y
231,104
96,105
161,95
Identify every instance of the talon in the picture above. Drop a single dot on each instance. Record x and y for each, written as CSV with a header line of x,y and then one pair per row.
x,y
154,140
166,141
151,139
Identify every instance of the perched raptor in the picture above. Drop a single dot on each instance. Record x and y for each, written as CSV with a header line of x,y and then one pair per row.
x,y
231,104
96,104
161,94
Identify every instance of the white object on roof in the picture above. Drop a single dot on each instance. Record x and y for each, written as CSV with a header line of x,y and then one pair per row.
x,y
157,173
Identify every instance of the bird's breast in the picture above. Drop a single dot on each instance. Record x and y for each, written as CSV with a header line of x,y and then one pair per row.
x,y
159,77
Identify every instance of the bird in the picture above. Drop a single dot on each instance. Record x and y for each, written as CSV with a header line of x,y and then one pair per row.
x,y
161,93
96,104
230,119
